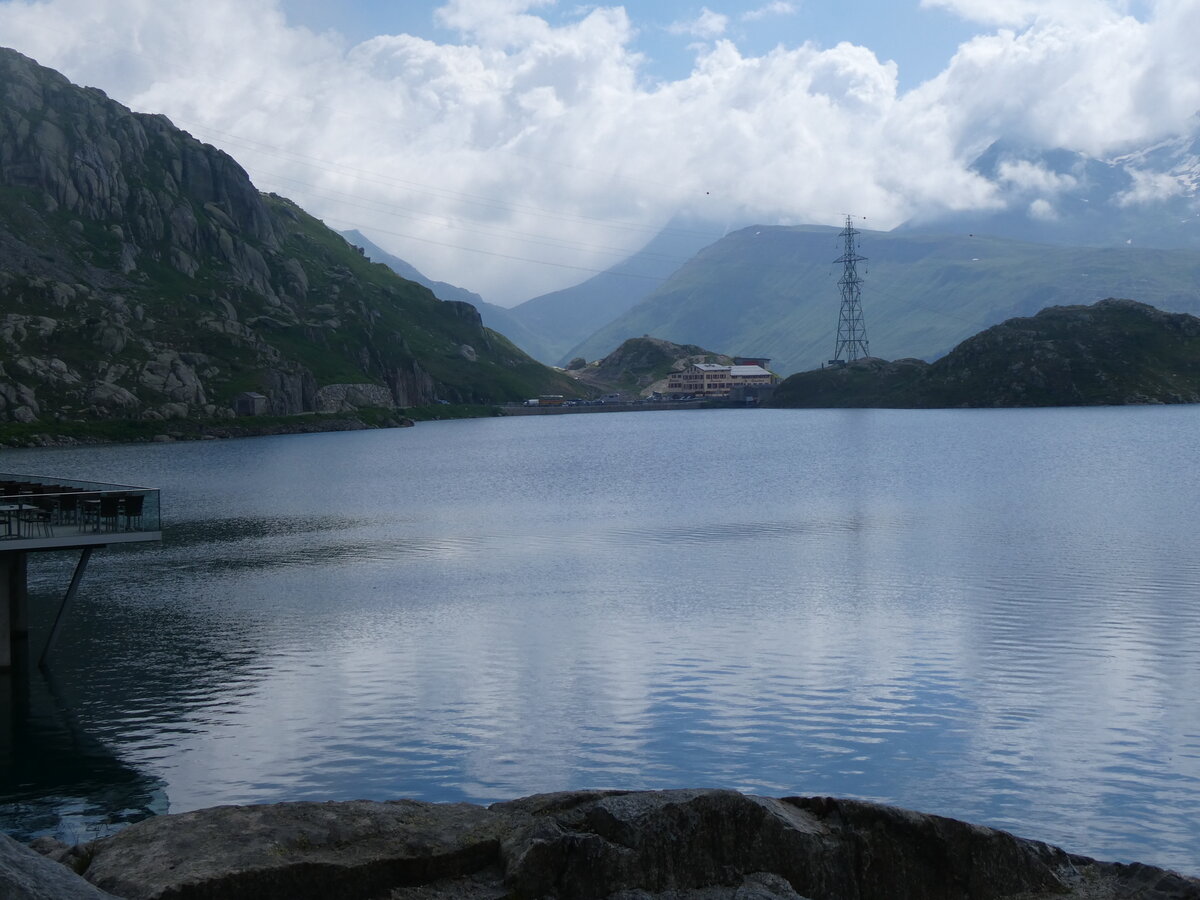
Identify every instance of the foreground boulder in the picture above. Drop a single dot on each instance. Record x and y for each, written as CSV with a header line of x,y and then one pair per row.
x,y
27,875
601,845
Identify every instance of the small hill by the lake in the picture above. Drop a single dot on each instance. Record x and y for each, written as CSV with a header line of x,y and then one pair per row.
x,y
641,365
1114,352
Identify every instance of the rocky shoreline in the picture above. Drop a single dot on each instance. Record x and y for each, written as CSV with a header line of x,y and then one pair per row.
x,y
586,845
205,431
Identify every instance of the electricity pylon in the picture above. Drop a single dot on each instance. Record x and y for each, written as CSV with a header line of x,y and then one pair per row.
x,y
852,330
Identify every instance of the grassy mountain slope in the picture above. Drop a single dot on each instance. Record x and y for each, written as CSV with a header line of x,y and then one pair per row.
x,y
560,320
1114,352
495,317
772,291
143,276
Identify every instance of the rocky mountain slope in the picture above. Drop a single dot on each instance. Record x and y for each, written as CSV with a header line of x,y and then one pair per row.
x,y
586,845
641,365
495,317
142,275
1114,352
773,292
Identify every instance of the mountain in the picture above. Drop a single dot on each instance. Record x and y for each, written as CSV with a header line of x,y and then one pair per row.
x,y
1113,352
494,317
1148,197
440,289
641,365
772,291
562,319
143,276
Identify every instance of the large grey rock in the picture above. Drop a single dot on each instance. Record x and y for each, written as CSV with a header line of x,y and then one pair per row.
x,y
296,850
606,845
27,875
349,397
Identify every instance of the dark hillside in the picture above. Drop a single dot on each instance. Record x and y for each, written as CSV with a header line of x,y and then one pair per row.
x,y
1114,352
143,276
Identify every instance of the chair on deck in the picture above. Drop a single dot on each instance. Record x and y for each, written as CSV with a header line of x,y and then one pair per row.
x,y
37,517
110,511
132,509
89,511
68,509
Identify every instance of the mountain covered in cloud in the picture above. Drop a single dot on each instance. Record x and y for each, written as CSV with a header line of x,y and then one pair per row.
x,y
513,142
1148,197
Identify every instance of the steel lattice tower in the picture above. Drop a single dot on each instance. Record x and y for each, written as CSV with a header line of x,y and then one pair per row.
x,y
852,330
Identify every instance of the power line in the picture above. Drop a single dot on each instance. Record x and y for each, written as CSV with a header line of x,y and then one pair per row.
x,y
399,211
542,262
490,203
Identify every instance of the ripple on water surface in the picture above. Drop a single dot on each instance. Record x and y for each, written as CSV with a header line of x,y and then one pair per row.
x,y
989,615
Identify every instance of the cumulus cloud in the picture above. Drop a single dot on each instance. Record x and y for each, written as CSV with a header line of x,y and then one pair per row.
x,y
778,8
706,25
522,155
1021,12
1151,187
1027,176
1042,210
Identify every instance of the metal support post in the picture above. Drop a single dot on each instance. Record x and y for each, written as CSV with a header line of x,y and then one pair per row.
x,y
80,568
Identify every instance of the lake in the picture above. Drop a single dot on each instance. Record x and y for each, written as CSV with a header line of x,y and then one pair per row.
x,y
987,614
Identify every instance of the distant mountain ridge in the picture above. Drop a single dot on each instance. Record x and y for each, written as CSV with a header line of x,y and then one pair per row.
x,y
1114,352
495,317
143,276
441,289
563,319
772,291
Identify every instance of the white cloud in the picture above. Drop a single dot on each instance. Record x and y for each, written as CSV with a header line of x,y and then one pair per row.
x,y
1043,210
1019,13
777,8
525,140
707,25
1028,176
1151,187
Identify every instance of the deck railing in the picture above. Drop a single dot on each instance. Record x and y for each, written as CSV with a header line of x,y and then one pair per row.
x,y
40,508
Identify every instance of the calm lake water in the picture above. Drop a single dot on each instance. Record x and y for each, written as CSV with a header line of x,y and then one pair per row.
x,y
992,615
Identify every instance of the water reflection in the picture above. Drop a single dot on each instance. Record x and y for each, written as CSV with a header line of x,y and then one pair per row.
x,y
57,778
988,615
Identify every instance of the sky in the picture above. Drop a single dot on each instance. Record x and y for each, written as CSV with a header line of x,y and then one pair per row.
x,y
518,146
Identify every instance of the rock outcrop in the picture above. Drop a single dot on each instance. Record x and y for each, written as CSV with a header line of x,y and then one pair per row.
x,y
600,845
27,875
142,275
1112,353
642,366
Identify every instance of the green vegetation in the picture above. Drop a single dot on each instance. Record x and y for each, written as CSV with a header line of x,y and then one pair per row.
x,y
1114,352
642,364
161,284
773,292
